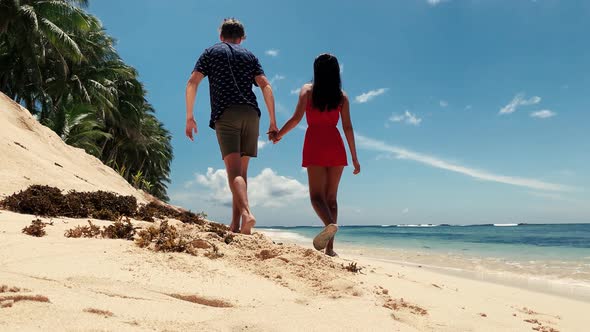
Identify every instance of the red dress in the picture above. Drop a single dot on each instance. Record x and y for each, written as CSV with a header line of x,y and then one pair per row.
x,y
323,145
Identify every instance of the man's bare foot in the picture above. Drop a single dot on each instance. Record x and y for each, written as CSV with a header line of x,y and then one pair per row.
x,y
248,222
331,253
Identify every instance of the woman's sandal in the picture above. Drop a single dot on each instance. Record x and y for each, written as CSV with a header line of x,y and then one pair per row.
x,y
321,240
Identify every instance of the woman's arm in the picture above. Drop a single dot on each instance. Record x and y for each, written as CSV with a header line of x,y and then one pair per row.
x,y
297,116
349,133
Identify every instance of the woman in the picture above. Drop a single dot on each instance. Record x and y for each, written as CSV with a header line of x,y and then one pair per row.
x,y
324,156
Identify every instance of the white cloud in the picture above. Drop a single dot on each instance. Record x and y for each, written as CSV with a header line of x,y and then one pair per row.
x,y
468,107
443,103
261,144
267,189
341,68
272,52
276,78
405,211
402,153
434,2
407,117
368,96
519,100
295,91
543,114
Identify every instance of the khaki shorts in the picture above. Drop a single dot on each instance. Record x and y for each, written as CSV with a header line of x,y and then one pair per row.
x,y
237,130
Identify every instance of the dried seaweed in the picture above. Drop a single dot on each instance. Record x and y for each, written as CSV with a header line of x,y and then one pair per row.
x,y
352,267
89,231
36,228
36,200
219,229
105,214
165,238
119,230
189,217
49,201
153,210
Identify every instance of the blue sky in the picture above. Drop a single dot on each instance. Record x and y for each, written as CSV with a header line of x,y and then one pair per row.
x,y
465,111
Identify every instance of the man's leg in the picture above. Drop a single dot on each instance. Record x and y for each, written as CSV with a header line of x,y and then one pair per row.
x,y
236,215
238,187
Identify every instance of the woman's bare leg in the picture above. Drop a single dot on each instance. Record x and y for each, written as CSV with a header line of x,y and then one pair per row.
x,y
317,178
334,174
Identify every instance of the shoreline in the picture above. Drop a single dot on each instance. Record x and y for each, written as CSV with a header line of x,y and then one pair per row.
x,y
454,265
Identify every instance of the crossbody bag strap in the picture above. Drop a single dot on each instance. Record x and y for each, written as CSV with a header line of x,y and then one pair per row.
x,y
232,73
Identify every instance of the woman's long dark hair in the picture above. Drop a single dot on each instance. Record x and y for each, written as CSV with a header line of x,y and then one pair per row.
x,y
327,86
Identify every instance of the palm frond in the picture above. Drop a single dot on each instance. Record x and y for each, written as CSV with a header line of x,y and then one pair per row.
x,y
61,40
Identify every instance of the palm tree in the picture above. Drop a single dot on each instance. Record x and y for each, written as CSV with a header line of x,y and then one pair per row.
x,y
59,62
78,126
30,30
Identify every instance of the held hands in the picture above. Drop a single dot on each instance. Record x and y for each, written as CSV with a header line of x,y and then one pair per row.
x,y
275,137
273,133
191,126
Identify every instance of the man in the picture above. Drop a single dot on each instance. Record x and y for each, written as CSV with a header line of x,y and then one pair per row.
x,y
234,111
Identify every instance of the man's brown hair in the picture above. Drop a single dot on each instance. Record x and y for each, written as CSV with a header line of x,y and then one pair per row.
x,y
232,29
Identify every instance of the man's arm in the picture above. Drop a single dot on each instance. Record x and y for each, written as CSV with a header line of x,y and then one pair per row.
x,y
191,93
269,100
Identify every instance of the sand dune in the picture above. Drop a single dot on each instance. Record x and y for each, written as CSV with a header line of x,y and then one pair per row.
x,y
54,283
31,153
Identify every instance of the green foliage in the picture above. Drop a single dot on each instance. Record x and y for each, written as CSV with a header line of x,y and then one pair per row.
x,y
57,60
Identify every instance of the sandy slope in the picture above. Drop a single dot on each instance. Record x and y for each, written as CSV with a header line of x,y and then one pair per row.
x,y
33,154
